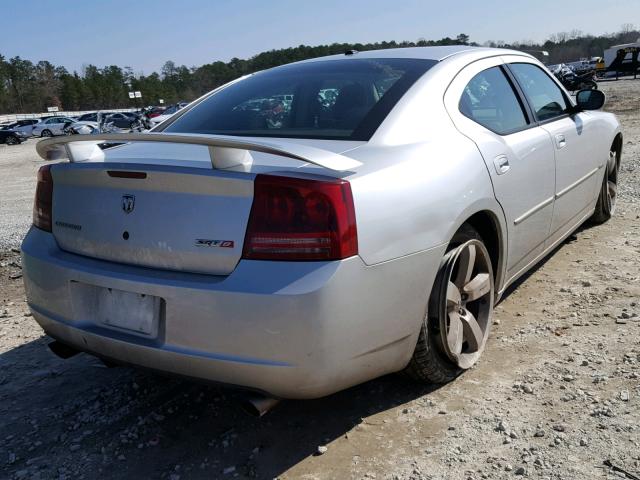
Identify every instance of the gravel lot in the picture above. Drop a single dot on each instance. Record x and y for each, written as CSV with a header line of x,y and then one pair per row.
x,y
556,394
18,167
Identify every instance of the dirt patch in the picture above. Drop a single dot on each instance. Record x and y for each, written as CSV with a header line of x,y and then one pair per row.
x,y
556,394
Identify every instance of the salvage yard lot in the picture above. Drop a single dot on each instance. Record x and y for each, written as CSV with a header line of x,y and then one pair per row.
x,y
555,395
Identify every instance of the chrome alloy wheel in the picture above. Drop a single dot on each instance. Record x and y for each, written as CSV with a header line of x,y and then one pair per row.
x,y
611,180
465,302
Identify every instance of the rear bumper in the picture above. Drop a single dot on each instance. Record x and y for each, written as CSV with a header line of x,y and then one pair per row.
x,y
289,329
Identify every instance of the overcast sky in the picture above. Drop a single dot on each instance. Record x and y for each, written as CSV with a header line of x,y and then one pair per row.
x,y
144,34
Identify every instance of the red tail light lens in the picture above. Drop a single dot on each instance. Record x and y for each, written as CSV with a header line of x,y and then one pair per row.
x,y
44,199
301,219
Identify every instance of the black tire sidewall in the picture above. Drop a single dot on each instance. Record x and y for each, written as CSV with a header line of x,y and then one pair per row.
x,y
429,363
602,211
464,234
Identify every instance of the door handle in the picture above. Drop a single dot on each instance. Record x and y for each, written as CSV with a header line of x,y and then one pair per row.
x,y
501,162
561,141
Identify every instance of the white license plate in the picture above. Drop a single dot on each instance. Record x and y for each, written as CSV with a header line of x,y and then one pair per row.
x,y
129,311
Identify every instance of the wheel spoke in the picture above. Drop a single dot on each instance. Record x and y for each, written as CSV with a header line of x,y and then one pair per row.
x,y
478,287
455,334
466,262
453,295
613,189
473,334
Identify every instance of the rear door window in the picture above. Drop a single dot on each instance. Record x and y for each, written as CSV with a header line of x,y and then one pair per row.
x,y
489,99
544,95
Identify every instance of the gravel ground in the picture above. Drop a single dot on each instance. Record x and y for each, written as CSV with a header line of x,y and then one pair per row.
x,y
556,394
18,167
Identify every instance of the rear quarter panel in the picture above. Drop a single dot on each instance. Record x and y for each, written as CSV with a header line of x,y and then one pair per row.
x,y
415,197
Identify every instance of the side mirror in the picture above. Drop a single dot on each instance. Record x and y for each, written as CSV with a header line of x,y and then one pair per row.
x,y
590,99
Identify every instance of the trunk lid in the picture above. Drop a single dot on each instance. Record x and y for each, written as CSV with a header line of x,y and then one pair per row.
x,y
162,206
174,218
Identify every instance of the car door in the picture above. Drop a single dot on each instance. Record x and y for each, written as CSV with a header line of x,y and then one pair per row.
x,y
120,120
486,106
48,124
23,126
576,162
54,125
113,118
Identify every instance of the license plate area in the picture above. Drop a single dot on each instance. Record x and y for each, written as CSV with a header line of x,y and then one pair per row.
x,y
125,311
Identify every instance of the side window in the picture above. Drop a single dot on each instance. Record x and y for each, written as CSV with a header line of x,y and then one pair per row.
x,y
489,100
546,98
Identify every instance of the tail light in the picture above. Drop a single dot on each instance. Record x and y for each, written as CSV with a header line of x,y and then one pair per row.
x,y
43,200
301,219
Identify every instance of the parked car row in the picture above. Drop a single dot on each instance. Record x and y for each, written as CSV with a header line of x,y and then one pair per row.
x,y
88,123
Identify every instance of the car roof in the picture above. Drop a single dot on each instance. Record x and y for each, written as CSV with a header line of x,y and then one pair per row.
x,y
426,53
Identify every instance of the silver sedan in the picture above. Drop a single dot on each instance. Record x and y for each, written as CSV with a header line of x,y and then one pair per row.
x,y
313,226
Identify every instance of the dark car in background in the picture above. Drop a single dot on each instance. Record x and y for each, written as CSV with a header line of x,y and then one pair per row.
x,y
12,137
23,126
122,119
155,112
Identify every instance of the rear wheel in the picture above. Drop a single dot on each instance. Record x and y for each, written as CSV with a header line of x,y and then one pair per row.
x,y
606,205
46,133
454,334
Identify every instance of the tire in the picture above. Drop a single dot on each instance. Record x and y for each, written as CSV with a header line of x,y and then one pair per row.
x,y
588,85
608,194
12,140
46,133
432,361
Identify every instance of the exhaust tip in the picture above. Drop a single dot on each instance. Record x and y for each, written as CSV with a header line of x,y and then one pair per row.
x,y
257,405
62,350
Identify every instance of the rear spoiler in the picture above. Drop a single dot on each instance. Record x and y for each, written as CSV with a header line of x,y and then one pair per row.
x,y
224,151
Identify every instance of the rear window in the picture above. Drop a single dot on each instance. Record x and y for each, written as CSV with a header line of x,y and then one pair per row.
x,y
331,99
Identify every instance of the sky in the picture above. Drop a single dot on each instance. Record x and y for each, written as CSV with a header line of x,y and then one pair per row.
x,y
143,34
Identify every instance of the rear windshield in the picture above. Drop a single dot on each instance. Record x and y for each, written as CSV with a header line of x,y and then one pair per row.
x,y
331,99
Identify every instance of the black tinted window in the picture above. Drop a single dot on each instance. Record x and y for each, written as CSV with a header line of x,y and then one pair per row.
x,y
341,99
489,100
544,95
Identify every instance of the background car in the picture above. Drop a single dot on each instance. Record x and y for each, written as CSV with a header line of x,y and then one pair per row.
x,y
12,137
52,126
24,126
169,112
91,117
48,127
155,111
122,120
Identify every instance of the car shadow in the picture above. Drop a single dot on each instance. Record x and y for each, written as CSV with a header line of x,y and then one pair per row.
x,y
123,422
570,239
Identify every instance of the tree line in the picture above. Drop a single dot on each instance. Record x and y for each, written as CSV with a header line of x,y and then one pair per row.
x,y
27,87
